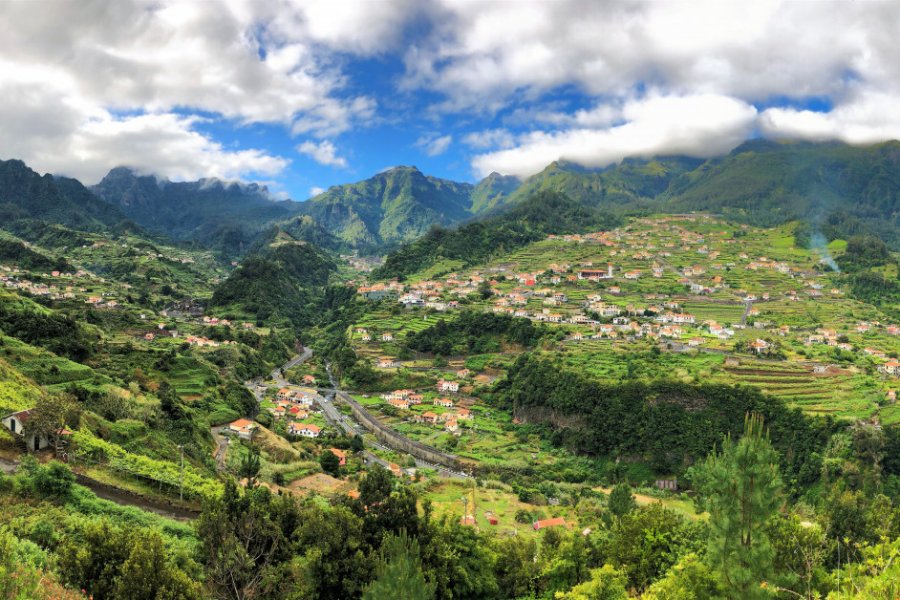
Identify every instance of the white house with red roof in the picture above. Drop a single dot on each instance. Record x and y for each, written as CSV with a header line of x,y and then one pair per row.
x,y
307,430
891,367
243,428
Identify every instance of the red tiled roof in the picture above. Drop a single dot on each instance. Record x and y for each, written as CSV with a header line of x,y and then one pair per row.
x,y
555,522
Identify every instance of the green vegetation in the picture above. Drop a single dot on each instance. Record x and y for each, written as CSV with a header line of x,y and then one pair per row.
x,y
474,333
837,187
606,428
541,214
394,206
741,490
667,423
36,325
278,282
215,214
26,195
16,252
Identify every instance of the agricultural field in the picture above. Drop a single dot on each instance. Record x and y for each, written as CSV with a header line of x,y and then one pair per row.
x,y
689,297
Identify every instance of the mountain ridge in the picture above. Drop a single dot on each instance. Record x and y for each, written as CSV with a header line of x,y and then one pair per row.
x,y
210,211
838,188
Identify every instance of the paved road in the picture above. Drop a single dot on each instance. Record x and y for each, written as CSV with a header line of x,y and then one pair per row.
x,y
325,400
302,357
442,470
746,312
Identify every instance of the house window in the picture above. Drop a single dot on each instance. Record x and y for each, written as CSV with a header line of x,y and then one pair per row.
x,y
12,425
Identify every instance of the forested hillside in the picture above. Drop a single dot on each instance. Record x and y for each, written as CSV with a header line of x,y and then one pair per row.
x,y
224,215
394,206
835,187
280,280
25,194
532,219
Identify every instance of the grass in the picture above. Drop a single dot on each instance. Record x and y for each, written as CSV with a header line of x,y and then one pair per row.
x,y
16,391
41,366
446,498
679,503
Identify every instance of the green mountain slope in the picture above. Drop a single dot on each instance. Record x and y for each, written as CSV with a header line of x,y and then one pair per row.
x,y
838,188
830,185
17,392
213,213
492,191
633,182
281,279
543,213
24,194
14,251
394,206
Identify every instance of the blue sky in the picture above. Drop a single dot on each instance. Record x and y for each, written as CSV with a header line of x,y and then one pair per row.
x,y
306,94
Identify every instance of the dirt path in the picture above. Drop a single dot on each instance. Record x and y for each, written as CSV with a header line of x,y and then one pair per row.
x,y
221,447
641,499
127,498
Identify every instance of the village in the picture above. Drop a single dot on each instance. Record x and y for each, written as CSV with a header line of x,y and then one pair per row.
x,y
689,296
689,285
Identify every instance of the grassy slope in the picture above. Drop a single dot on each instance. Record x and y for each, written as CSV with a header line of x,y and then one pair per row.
x,y
17,392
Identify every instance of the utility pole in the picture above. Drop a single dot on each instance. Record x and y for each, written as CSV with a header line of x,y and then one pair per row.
x,y
181,485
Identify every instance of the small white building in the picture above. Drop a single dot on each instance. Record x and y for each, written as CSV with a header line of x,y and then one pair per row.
x,y
448,386
243,428
16,424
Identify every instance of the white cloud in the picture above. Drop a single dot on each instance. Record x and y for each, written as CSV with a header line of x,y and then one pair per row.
x,y
68,74
867,118
87,86
490,138
701,125
434,145
706,63
323,153
315,191
484,52
67,135
361,26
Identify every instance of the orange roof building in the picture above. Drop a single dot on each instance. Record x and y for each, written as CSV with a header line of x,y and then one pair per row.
x,y
555,522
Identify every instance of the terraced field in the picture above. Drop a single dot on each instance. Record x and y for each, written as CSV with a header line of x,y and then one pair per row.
x,y
837,392
733,260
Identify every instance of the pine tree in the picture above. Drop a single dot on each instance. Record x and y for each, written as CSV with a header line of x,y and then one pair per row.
x,y
621,502
400,573
250,465
740,487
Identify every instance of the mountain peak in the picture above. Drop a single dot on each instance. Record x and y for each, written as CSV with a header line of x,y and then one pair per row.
x,y
412,169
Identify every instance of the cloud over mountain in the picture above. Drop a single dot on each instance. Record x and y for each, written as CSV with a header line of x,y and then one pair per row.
x,y
228,88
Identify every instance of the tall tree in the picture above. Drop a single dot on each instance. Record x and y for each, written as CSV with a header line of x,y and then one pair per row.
x,y
741,487
606,583
330,463
621,501
400,573
250,465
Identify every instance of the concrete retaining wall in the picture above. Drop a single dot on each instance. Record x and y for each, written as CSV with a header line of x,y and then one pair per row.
x,y
396,440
